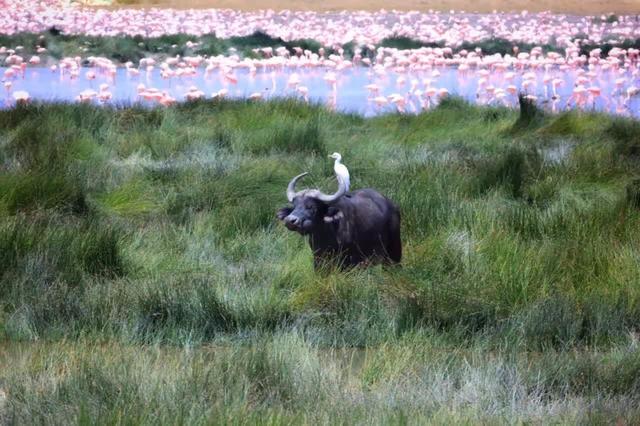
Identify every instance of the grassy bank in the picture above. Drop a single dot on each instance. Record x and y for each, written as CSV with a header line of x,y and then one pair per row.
x,y
130,238
133,48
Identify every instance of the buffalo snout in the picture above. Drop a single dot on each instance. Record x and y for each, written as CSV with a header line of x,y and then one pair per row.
x,y
292,222
299,224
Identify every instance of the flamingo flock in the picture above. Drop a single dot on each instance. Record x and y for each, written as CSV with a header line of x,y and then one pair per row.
x,y
375,78
328,28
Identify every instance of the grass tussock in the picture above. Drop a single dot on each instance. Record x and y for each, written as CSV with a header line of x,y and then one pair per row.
x,y
530,115
138,228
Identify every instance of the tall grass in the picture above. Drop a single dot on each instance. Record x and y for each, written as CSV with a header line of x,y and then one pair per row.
x,y
144,227
281,379
493,224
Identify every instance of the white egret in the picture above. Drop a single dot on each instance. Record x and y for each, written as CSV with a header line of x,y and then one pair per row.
x,y
341,170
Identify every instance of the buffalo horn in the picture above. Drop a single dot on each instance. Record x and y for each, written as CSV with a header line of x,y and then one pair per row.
x,y
342,189
291,189
314,193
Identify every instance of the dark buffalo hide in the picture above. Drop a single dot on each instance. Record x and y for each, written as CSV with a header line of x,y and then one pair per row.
x,y
347,228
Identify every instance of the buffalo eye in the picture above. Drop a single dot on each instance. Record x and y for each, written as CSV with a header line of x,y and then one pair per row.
x,y
283,212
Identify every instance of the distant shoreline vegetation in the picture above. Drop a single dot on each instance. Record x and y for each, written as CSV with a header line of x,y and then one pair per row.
x,y
126,48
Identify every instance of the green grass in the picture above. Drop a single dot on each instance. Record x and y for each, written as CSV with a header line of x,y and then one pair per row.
x,y
144,276
281,379
403,42
607,45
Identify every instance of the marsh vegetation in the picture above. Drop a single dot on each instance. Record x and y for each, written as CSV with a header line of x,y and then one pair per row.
x,y
143,276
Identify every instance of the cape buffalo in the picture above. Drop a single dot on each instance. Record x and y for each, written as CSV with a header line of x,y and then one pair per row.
x,y
347,228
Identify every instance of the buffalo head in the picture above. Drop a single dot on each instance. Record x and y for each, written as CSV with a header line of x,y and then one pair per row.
x,y
311,207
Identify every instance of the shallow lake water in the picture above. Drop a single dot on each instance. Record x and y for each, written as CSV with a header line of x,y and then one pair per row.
x,y
350,93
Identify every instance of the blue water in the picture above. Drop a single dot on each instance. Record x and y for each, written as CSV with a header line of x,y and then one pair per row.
x,y
350,94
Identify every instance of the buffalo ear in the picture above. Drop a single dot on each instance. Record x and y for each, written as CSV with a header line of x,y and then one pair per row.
x,y
283,212
333,215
